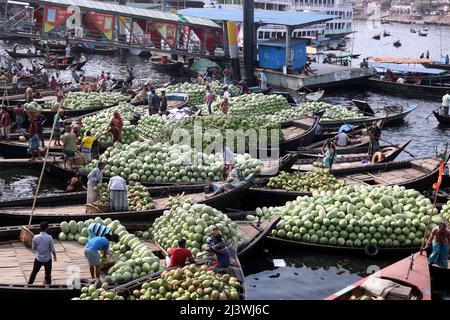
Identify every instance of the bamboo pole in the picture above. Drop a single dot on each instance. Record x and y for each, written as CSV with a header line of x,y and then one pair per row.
x,y
42,172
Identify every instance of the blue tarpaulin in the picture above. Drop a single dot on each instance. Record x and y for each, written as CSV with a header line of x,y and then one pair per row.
x,y
404,68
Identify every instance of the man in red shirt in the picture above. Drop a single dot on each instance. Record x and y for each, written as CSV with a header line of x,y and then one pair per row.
x,y
179,255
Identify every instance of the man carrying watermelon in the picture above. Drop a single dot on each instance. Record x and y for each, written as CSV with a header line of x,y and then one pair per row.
x,y
91,252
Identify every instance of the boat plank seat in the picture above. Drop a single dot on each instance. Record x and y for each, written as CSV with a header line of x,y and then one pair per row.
x,y
16,263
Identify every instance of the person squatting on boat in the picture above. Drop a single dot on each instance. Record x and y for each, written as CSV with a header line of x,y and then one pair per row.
x,y
91,252
75,184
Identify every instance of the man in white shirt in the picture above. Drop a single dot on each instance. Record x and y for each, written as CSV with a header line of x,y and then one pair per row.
x,y
67,52
446,103
118,200
15,80
82,58
263,81
401,80
342,139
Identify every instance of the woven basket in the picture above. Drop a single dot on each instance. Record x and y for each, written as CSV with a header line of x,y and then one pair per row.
x,y
109,262
26,236
96,208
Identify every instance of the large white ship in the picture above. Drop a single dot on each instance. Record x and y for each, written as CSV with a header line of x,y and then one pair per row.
x,y
333,29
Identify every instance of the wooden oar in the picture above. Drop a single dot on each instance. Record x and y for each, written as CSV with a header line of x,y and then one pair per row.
x,y
393,145
432,113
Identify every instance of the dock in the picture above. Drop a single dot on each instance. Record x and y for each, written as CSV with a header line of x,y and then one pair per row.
x,y
324,76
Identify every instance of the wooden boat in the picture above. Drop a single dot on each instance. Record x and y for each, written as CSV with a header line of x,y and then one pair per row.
x,y
171,66
62,66
18,55
412,30
411,272
270,168
443,120
349,160
234,270
98,50
287,96
440,275
436,65
15,149
377,37
386,33
49,43
418,174
358,142
390,115
258,90
72,207
423,33
37,95
298,133
397,43
315,96
434,92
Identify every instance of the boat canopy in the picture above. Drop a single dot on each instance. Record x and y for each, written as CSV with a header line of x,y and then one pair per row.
x,y
398,60
337,53
403,68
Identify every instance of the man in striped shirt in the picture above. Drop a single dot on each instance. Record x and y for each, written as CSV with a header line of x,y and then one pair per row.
x,y
100,230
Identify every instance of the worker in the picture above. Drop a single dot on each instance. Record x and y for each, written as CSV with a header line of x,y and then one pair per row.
x,y
58,123
75,184
226,76
33,143
364,63
68,51
29,94
220,248
86,146
154,102
5,124
226,98
178,255
447,59
263,81
82,58
439,241
401,80
330,154
209,98
374,132
163,103
342,139
19,116
44,247
69,140
116,126
91,250
446,103
118,199
234,179
94,178
99,230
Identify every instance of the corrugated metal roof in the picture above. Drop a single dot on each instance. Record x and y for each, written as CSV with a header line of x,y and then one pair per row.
x,y
130,11
285,18
279,43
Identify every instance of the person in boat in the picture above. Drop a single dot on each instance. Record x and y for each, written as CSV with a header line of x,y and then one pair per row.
x,y
342,139
142,96
330,153
19,116
53,83
68,51
100,230
401,80
209,98
82,58
40,120
69,140
447,61
364,64
308,68
200,79
91,252
155,102
446,103
57,119
439,242
117,188
374,132
3,77
75,184
389,75
263,80
417,79
29,94
179,255
234,179
116,126
5,124
130,77
220,249
422,56
245,87
226,76
94,178
163,103
45,248
428,54
15,47
226,98
15,80
86,146
33,143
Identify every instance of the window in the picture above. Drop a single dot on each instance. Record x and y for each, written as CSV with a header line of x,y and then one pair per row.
x,y
266,35
260,35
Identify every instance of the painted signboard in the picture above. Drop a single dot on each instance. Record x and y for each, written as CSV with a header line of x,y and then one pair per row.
x,y
105,22
54,16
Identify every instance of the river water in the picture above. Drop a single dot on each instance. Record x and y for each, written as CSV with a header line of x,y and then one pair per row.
x,y
284,273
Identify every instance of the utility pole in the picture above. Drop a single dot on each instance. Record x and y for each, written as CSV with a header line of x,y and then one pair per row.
x,y
249,39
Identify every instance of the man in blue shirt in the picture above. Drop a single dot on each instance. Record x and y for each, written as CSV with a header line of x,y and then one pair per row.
x,y
222,253
43,245
91,253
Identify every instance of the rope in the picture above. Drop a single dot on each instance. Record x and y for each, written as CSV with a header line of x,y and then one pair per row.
x,y
42,173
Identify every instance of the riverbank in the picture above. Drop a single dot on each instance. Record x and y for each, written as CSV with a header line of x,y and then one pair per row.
x,y
409,19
